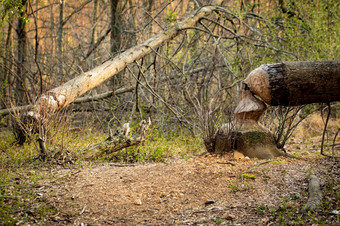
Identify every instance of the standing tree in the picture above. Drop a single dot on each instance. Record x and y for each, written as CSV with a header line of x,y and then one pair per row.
x,y
21,31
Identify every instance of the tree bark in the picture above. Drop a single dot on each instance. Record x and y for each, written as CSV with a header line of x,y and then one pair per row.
x,y
60,41
115,26
8,64
21,55
296,83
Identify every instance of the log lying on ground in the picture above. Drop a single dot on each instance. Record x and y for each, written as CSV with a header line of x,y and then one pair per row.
x,y
296,83
315,194
119,140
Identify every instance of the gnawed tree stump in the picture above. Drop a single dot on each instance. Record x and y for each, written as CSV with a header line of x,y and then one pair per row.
x,y
247,136
119,140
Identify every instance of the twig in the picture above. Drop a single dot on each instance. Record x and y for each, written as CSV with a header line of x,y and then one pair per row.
x,y
230,163
324,130
260,163
122,165
333,146
83,210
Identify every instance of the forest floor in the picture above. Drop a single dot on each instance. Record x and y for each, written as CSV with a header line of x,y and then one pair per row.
x,y
204,190
191,190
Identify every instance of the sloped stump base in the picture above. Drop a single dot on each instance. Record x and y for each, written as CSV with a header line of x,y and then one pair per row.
x,y
251,140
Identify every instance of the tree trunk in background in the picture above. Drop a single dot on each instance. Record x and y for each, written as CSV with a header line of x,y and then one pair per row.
x,y
60,41
115,39
52,31
115,26
6,77
20,88
296,83
94,22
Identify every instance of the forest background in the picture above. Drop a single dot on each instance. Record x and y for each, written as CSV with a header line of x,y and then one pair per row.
x,y
187,87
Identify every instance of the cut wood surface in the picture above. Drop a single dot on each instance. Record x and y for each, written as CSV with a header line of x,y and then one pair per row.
x,y
248,108
296,83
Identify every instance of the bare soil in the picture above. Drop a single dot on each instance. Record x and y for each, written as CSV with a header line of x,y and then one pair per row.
x,y
203,190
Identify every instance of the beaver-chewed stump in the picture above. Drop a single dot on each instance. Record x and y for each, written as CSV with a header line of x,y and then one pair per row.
x,y
246,135
286,84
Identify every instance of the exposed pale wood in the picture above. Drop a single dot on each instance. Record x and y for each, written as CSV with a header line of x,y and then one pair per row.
x,y
296,83
248,108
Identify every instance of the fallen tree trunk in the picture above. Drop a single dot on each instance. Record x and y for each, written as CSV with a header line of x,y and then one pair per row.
x,y
98,97
56,99
59,97
296,83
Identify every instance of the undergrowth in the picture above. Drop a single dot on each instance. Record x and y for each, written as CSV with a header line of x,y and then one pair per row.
x,y
159,147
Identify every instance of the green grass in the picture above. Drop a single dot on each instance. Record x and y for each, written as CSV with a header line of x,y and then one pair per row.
x,y
159,147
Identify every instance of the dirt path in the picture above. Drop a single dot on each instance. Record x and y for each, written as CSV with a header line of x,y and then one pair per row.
x,y
203,190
